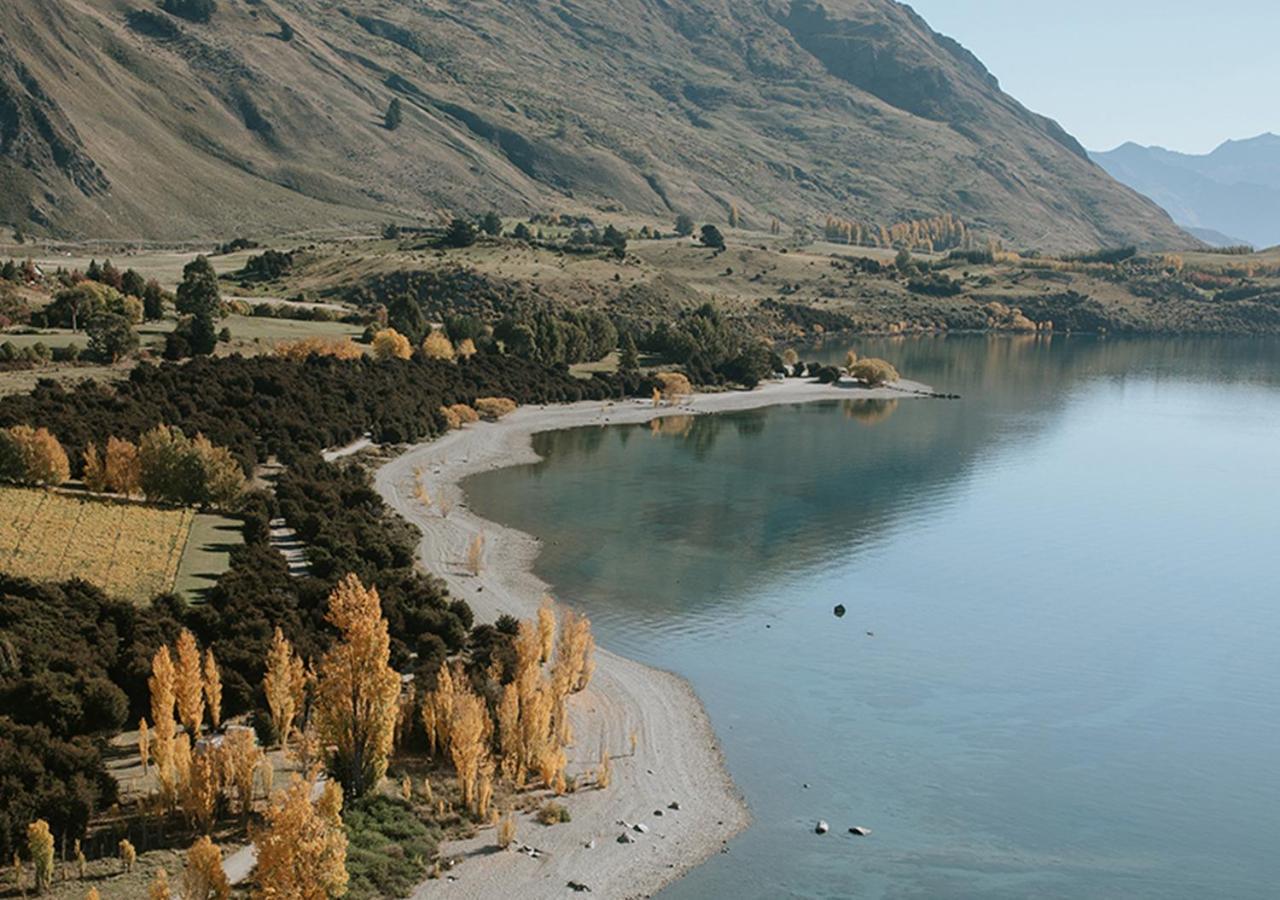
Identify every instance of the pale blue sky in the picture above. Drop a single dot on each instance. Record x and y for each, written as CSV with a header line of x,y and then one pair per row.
x,y
1176,73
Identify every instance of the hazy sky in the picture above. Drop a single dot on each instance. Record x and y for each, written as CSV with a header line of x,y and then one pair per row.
x,y
1181,74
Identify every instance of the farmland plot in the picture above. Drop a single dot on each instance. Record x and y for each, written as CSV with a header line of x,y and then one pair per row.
x,y
129,550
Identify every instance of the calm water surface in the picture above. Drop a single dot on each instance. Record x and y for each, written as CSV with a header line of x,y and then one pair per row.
x,y
1059,674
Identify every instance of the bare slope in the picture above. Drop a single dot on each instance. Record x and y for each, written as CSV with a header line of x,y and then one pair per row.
x,y
117,118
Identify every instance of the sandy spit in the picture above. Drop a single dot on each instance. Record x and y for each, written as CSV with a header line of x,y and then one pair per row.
x,y
677,759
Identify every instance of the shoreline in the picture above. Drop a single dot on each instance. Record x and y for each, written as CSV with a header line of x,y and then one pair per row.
x,y
678,757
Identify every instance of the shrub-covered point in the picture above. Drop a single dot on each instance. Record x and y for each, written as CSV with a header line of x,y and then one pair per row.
x,y
269,405
267,266
711,349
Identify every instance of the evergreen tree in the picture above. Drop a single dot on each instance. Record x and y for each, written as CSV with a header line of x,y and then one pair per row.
x,y
684,225
630,360
153,299
461,233
711,237
395,114
491,224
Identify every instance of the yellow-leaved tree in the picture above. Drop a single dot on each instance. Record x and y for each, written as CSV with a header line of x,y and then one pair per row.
x,y
391,344
212,689
302,847
188,683
204,878
357,691
283,684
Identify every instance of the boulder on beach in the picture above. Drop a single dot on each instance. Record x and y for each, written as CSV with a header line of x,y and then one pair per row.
x,y
860,831
640,827
822,827
625,838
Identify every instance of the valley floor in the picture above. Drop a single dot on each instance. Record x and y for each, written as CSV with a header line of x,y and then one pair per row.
x,y
677,758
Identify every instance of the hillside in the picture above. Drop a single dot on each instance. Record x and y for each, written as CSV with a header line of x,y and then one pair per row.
x,y
119,119
1235,190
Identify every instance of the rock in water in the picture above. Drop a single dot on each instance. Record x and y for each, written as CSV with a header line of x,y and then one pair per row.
x,y
641,827
625,838
839,610
579,887
821,828
860,831
673,805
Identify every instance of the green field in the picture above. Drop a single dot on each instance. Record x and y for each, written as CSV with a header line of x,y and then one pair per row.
x,y
207,555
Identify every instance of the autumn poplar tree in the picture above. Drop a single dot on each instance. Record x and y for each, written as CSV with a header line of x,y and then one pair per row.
x,y
302,847
212,689
283,684
357,690
189,683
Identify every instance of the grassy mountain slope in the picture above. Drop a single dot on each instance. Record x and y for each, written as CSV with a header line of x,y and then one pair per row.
x,y
117,118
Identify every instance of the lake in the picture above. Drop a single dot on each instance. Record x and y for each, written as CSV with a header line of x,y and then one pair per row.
x,y
1059,670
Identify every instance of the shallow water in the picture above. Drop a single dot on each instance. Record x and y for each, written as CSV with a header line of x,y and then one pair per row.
x,y
1058,674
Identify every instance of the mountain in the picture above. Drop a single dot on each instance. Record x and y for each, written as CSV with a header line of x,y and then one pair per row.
x,y
121,118
1235,190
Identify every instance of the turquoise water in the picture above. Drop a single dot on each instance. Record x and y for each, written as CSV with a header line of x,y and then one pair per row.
x,y
1071,685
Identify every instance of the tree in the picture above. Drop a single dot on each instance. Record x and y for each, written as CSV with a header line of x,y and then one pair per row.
x,y
903,261
437,346
111,336
191,10
711,237
198,294
302,847
161,686
154,298
394,116
212,689
132,284
357,690
158,889
40,848
391,344
95,474
630,359
32,456
461,233
204,878
684,225
283,685
491,224
735,219
122,467
188,683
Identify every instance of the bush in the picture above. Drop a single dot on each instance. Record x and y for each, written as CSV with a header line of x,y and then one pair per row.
x,y
553,813
389,848
874,372
191,10
494,408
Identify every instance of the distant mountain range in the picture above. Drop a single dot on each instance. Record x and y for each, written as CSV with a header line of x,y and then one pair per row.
x,y
188,119
1229,196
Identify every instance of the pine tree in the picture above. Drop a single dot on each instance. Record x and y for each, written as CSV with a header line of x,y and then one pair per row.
x,y
40,849
357,690
395,114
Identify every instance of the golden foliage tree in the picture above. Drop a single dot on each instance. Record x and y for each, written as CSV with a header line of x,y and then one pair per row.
x,y
438,346
123,467
475,553
357,690
161,684
466,348
284,685
302,848
391,344
305,348
40,849
204,878
506,835
158,889
212,689
546,629
437,710
188,685
144,746
241,759
202,787
32,456
128,855
95,470
675,386
470,730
